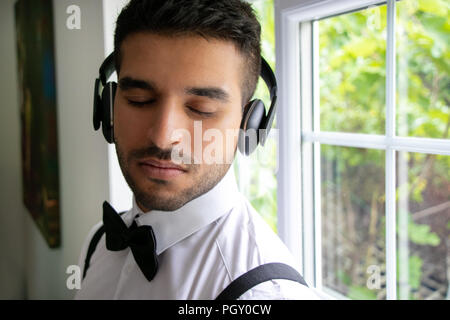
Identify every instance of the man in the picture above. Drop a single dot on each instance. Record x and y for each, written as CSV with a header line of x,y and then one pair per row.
x,y
181,64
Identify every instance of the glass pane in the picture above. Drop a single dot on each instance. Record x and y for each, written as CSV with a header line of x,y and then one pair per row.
x,y
352,71
353,221
256,174
256,177
423,64
423,226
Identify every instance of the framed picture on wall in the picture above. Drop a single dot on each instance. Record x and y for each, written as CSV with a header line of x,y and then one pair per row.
x,y
37,91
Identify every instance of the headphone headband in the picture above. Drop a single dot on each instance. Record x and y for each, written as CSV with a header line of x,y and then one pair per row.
x,y
269,78
107,68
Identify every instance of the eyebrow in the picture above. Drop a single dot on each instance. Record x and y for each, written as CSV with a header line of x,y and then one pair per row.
x,y
214,93
128,83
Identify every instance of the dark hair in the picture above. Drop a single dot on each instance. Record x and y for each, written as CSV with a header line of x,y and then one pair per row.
x,y
230,20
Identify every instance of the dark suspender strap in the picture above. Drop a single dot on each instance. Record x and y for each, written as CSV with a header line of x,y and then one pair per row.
x,y
259,275
93,245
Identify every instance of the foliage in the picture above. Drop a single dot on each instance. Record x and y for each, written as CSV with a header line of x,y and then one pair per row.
x,y
414,270
421,234
423,68
352,73
361,293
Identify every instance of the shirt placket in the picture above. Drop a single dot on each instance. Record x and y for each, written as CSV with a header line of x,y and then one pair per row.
x,y
126,273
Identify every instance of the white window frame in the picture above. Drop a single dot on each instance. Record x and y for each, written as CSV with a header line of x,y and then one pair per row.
x,y
299,215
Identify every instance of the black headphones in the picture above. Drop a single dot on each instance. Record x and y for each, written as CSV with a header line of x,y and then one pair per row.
x,y
254,118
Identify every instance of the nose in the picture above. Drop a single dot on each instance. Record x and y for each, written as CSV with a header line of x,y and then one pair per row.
x,y
166,120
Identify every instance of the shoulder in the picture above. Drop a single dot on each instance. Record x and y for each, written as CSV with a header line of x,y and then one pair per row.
x,y
246,241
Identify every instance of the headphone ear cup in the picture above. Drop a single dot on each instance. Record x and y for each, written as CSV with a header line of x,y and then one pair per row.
x,y
108,94
254,114
97,116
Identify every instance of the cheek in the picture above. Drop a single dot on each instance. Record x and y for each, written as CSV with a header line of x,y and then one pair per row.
x,y
218,141
128,126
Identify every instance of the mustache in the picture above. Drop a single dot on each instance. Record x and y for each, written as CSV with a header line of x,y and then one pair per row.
x,y
159,154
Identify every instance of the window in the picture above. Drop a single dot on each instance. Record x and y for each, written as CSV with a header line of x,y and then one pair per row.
x,y
364,117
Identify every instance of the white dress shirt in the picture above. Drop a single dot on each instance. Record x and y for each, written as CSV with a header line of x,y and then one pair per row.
x,y
202,247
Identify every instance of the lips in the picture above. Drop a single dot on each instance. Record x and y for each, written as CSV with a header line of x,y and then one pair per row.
x,y
160,170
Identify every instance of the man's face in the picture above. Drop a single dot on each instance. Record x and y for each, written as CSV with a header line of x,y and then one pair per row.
x,y
169,86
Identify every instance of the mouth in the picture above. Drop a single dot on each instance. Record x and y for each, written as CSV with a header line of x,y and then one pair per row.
x,y
160,169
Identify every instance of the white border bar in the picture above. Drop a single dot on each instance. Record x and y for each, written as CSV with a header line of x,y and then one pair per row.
x,y
316,9
307,167
357,140
317,194
288,122
391,216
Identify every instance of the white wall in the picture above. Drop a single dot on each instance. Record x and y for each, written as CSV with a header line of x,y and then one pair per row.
x,y
28,268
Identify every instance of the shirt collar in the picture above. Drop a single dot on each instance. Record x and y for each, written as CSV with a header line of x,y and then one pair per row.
x,y
171,227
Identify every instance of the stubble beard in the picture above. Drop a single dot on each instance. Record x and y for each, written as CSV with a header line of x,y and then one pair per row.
x,y
151,200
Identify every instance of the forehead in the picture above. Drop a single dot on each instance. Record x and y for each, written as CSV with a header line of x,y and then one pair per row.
x,y
180,61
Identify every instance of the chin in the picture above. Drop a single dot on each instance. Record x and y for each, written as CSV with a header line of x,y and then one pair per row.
x,y
159,201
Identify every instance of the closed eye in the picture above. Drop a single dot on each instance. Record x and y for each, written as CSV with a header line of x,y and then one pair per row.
x,y
140,103
201,113
191,109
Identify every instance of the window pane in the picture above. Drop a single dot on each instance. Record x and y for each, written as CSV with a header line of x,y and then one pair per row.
x,y
353,221
256,177
423,64
423,227
352,71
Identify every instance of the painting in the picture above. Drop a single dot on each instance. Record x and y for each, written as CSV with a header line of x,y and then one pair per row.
x,y
37,94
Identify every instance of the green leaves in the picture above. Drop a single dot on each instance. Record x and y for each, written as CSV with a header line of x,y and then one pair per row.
x,y
352,69
423,68
352,72
434,7
361,293
414,270
421,234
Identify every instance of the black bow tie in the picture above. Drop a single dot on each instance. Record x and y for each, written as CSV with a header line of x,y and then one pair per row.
x,y
140,239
